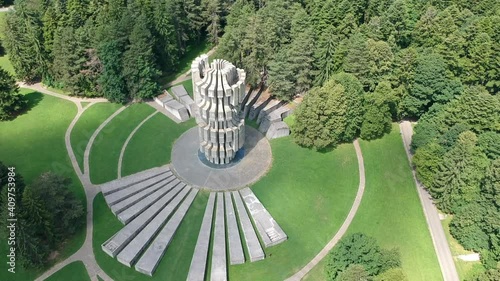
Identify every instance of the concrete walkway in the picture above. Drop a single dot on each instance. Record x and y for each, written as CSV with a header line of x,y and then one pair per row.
x,y
85,253
441,246
122,152
357,201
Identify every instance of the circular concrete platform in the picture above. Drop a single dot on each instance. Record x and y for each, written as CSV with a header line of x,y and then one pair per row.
x,y
252,166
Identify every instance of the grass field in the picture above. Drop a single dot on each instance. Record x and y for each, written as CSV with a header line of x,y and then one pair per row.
x,y
34,143
87,124
74,271
175,263
144,151
107,146
309,194
188,85
390,210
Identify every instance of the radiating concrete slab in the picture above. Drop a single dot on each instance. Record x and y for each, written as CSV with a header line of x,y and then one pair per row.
x,y
118,241
252,242
125,182
219,264
120,195
273,117
269,230
133,211
182,95
132,200
150,259
277,130
250,100
131,252
198,266
236,255
272,105
257,107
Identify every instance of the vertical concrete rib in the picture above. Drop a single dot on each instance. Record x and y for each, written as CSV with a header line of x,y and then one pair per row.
x,y
199,262
219,264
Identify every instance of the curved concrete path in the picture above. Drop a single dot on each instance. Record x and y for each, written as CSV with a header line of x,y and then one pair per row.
x,y
357,201
122,152
441,246
85,253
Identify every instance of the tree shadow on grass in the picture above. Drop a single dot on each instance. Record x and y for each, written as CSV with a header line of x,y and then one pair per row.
x,y
32,99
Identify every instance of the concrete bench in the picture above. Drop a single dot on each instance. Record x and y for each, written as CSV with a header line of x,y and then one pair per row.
x,y
123,194
129,214
132,200
269,230
151,258
131,252
199,261
127,181
219,266
236,255
118,241
252,242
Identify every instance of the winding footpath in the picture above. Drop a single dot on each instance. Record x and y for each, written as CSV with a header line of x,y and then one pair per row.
x,y
343,229
85,254
443,252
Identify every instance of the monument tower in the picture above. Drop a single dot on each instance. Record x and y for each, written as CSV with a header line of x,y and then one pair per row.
x,y
219,89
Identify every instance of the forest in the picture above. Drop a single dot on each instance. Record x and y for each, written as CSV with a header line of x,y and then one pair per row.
x,y
358,65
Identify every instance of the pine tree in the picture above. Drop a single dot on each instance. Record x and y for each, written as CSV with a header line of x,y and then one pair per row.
x,y
11,101
139,68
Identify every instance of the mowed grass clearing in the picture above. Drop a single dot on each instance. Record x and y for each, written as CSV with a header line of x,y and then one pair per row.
x,y
309,194
391,210
151,145
106,149
74,271
34,143
86,126
174,265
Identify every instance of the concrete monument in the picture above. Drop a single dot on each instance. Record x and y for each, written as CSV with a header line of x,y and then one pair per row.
x,y
219,89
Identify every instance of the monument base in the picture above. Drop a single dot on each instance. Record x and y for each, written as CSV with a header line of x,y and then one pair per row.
x,y
252,162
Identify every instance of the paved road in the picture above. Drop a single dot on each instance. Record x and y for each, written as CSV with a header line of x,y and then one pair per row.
x,y
357,201
441,246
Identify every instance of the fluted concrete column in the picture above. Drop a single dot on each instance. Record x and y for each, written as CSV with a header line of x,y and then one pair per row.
x,y
219,89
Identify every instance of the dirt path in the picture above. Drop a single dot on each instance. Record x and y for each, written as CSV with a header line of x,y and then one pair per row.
x,y
439,240
343,229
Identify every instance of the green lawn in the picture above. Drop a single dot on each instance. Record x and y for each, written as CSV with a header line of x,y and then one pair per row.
x,y
391,210
188,85
174,265
87,124
74,271
34,143
309,194
108,144
184,65
144,152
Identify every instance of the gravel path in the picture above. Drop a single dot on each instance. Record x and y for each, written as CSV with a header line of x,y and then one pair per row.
x,y
357,201
439,240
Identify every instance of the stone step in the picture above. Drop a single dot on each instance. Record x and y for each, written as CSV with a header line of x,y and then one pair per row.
x,y
252,242
127,181
219,263
199,261
125,193
129,214
118,241
132,200
265,223
236,255
131,252
150,259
